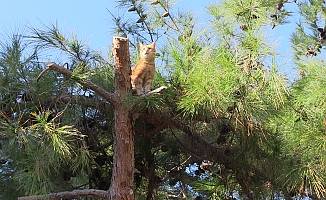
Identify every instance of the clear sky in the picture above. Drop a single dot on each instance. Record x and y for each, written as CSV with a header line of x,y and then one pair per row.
x,y
88,19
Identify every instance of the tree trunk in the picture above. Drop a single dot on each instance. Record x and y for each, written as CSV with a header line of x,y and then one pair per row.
x,y
122,182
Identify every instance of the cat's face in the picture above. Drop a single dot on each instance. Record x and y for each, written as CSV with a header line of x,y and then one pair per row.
x,y
147,51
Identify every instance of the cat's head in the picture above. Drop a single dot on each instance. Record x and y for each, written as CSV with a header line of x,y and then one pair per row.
x,y
147,51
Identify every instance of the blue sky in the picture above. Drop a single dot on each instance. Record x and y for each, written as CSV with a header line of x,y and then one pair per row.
x,y
88,19
91,22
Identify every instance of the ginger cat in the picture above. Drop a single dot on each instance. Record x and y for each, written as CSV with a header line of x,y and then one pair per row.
x,y
142,74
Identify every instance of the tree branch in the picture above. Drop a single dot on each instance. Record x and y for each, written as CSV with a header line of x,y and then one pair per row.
x,y
69,195
111,98
156,91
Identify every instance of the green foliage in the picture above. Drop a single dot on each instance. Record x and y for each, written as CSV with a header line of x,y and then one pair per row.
x,y
80,74
229,122
40,150
38,154
210,83
52,38
303,126
149,103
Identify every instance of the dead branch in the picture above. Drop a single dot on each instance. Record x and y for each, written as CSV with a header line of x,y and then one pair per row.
x,y
45,70
42,73
61,112
111,98
69,195
156,91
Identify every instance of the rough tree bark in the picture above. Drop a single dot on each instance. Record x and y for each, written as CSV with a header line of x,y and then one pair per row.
x,y
122,182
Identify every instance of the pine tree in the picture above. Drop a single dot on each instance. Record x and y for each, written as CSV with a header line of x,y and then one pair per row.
x,y
229,124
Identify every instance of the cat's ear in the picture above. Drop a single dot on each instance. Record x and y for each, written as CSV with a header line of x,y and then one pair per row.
x,y
153,44
141,44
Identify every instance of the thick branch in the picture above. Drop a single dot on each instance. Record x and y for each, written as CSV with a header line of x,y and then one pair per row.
x,y
111,98
161,120
69,195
